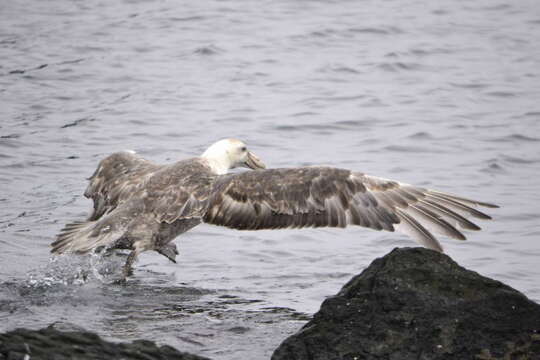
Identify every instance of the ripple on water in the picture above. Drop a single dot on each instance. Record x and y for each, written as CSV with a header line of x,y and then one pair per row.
x,y
334,99
420,52
327,126
208,50
78,122
339,69
529,114
399,66
411,149
494,168
12,141
470,85
355,31
187,18
421,135
502,94
390,30
515,138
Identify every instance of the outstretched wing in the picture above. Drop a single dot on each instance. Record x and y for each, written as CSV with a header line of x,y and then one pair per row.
x,y
323,196
116,179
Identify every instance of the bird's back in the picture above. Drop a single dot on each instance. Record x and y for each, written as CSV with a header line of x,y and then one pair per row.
x,y
180,190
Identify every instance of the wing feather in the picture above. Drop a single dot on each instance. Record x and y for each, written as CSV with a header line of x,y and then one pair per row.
x,y
178,191
449,215
117,178
414,229
83,236
331,197
458,206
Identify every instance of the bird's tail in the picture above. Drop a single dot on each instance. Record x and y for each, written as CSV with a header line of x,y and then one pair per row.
x,y
83,236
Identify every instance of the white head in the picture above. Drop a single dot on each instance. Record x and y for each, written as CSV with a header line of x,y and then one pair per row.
x,y
231,153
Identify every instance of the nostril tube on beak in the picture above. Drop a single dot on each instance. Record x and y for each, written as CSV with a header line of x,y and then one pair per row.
x,y
253,162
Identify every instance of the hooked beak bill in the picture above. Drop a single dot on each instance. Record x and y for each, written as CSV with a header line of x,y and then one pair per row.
x,y
254,162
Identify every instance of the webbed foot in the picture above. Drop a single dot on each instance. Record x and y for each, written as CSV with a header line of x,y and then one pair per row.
x,y
169,251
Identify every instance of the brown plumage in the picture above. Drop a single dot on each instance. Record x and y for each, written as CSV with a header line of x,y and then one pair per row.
x,y
142,206
330,197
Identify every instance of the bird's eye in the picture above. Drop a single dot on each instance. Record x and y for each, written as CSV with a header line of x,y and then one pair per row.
x,y
243,148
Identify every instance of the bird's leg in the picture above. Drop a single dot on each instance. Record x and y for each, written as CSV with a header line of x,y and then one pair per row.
x,y
128,266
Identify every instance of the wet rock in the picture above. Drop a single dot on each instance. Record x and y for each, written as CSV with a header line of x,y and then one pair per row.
x,y
415,303
53,344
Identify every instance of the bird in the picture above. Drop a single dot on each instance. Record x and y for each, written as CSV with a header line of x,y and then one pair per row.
x,y
139,205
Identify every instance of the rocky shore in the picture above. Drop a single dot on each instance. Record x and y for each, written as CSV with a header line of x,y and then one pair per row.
x,y
415,303
52,344
412,303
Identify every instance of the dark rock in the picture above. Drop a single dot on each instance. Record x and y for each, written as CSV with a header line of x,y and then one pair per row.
x,y
53,344
418,304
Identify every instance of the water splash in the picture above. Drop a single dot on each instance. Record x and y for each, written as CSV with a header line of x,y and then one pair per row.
x,y
61,270
68,270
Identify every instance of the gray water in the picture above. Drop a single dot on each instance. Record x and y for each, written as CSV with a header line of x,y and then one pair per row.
x,y
441,94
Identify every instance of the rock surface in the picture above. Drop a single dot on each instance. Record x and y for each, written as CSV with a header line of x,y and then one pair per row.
x,y
418,304
52,344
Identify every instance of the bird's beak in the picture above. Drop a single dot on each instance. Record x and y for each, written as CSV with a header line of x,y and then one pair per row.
x,y
254,162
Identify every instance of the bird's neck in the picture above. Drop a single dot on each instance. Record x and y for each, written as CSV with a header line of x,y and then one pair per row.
x,y
219,163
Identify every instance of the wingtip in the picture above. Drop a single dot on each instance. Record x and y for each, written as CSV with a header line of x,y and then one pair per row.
x,y
482,216
459,198
438,248
487,205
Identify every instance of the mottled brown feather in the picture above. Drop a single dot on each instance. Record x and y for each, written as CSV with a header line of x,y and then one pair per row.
x,y
136,200
331,197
